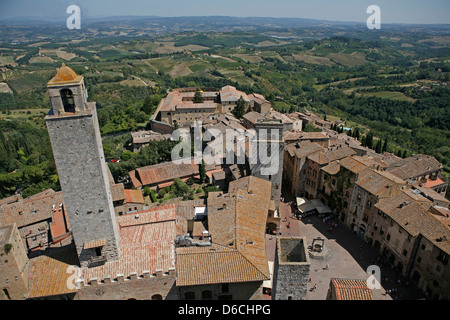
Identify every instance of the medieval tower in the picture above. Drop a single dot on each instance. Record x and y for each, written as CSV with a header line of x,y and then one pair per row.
x,y
291,269
267,162
77,148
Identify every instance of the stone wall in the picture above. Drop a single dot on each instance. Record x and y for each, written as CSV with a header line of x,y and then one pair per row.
x,y
145,287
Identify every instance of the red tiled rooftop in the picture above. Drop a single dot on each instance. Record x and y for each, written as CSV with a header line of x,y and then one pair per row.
x,y
133,196
349,289
432,183
58,225
32,209
214,264
48,274
146,244
164,172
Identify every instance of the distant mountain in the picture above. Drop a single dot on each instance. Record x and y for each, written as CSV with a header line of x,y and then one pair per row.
x,y
26,27
193,21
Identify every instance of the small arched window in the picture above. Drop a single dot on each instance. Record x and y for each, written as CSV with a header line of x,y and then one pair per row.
x,y
67,100
156,297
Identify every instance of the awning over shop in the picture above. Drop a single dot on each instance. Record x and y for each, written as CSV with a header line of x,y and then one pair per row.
x,y
321,208
304,205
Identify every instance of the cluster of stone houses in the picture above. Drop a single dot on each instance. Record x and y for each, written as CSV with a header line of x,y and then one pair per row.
x,y
396,205
179,106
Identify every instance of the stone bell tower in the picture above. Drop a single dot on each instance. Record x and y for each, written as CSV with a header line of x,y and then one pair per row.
x,y
77,148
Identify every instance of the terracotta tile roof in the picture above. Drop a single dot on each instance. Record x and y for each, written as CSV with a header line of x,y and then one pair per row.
x,y
157,214
118,192
292,147
350,289
230,93
306,150
251,184
412,212
379,183
399,198
356,164
432,183
10,199
65,75
177,99
313,135
198,228
296,136
48,274
332,168
251,216
236,223
415,219
222,218
146,243
32,209
327,156
258,98
278,115
164,172
214,264
58,224
415,166
134,179
186,209
133,196
252,116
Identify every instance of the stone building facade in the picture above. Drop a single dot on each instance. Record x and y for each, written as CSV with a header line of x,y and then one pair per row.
x,y
13,264
315,162
294,165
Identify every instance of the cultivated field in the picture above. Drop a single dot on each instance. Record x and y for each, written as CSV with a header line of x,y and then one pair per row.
x,y
348,60
313,59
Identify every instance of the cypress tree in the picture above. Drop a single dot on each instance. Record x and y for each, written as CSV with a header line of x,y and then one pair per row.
x,y
378,147
239,110
369,140
357,134
202,171
384,149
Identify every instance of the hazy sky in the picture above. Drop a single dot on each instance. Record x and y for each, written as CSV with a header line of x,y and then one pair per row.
x,y
392,11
